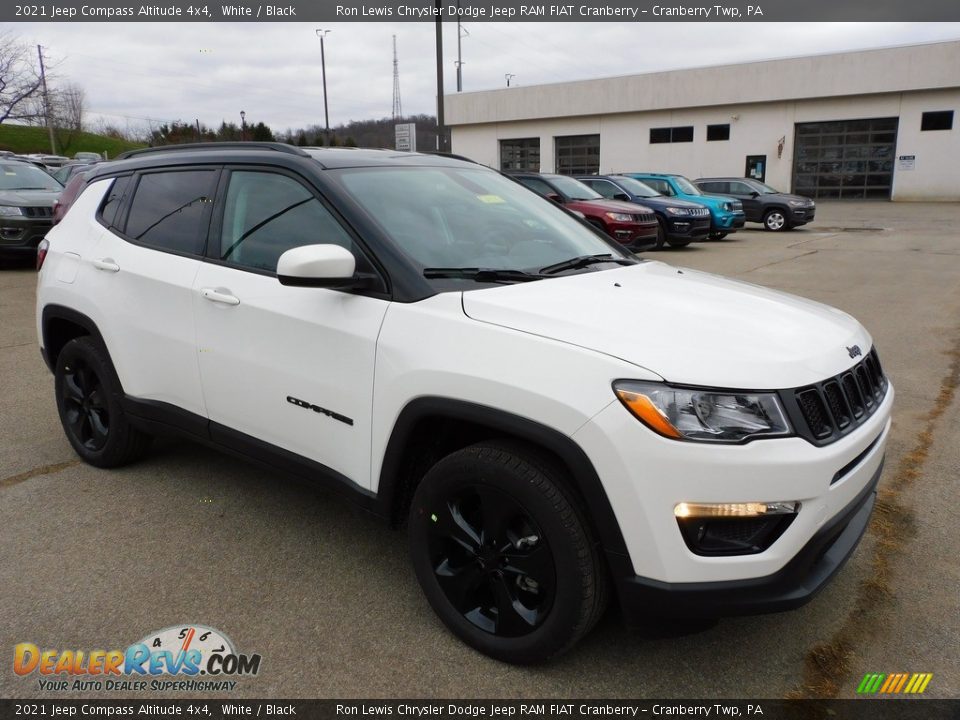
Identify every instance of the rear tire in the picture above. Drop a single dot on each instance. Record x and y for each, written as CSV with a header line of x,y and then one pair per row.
x,y
89,404
502,554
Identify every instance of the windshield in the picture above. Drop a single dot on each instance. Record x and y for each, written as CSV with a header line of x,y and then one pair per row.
x,y
20,176
764,188
453,217
686,187
635,187
574,189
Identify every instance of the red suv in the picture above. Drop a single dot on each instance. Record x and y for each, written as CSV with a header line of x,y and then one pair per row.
x,y
633,226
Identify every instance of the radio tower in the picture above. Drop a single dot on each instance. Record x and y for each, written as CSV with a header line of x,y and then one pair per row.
x,y
397,109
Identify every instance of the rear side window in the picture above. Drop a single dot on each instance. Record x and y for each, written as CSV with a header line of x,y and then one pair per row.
x,y
111,203
170,210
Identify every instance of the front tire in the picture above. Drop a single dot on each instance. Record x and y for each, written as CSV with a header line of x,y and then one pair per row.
x,y
775,220
718,235
502,553
661,234
88,402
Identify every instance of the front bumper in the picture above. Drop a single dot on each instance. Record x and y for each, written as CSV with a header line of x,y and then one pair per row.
x,y
688,228
801,216
792,586
20,236
727,221
634,236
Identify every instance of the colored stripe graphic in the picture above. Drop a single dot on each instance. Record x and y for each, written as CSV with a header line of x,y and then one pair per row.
x,y
894,683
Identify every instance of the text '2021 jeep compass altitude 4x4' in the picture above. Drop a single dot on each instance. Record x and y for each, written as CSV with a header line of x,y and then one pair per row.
x,y
452,350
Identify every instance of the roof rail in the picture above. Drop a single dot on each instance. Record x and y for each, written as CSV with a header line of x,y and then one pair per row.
x,y
452,156
278,147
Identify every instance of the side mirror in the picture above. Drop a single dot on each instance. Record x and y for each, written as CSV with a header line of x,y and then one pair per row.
x,y
754,194
555,197
621,196
326,266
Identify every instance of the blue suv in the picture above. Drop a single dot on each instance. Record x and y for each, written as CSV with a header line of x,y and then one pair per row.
x,y
726,213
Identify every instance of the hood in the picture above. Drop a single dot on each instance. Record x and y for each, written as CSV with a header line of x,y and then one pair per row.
x,y
788,196
618,206
29,198
664,202
686,326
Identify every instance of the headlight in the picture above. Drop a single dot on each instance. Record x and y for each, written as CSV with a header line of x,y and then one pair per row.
x,y
677,211
620,217
9,211
797,203
728,207
703,414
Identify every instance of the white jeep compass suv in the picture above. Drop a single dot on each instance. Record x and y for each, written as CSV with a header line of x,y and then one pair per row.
x,y
454,352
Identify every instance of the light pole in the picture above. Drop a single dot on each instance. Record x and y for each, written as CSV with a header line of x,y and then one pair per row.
x,y
323,69
243,126
509,77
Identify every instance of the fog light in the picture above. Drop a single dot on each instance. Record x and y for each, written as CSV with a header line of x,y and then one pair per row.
x,y
750,509
733,528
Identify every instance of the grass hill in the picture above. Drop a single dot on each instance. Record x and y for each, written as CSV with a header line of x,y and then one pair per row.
x,y
25,139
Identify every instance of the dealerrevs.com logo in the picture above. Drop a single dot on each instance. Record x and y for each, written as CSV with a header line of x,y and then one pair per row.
x,y
189,658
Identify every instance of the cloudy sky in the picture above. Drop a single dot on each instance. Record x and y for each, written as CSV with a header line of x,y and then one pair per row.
x,y
153,72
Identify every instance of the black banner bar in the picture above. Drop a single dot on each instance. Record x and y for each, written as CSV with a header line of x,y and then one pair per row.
x,y
874,708
483,11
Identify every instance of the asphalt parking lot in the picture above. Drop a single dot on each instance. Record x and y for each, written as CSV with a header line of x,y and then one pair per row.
x,y
97,559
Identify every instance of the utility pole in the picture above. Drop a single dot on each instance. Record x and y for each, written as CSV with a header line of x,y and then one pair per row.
x,y
397,108
323,69
46,102
461,31
441,130
243,126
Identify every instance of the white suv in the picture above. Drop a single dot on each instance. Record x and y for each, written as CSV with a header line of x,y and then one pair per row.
x,y
456,353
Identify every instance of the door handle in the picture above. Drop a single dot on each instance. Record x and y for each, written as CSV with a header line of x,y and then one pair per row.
x,y
106,264
219,297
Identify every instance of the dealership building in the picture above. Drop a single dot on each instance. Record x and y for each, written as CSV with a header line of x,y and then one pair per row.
x,y
867,124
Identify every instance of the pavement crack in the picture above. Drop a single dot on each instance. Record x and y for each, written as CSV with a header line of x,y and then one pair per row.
x,y
777,262
36,472
828,665
7,347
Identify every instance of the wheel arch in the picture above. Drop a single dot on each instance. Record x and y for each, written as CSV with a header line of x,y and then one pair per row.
x,y
59,325
410,442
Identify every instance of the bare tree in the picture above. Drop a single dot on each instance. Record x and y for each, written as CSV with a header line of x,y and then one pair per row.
x,y
19,79
67,107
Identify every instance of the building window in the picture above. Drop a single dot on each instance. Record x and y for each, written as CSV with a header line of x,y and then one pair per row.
x,y
578,154
520,154
940,120
718,132
683,133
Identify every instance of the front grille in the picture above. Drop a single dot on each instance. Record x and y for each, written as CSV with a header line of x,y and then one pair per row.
x,y
830,409
699,212
37,211
645,218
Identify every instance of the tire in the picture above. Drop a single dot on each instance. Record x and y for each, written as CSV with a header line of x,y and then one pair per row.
x,y
775,220
680,243
502,554
717,235
88,402
661,234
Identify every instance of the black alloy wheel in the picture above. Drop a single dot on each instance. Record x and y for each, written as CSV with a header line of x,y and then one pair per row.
x,y
502,552
89,396
492,561
84,405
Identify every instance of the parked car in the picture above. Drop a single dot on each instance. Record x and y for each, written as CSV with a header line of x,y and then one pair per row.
x,y
64,174
762,203
88,156
726,213
680,222
27,195
51,162
72,190
452,351
633,226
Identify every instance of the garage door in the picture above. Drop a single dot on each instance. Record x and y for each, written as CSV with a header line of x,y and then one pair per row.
x,y
845,158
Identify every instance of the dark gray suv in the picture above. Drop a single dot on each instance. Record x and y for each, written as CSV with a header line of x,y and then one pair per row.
x,y
27,195
762,203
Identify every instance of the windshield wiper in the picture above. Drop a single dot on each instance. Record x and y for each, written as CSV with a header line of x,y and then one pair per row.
x,y
481,274
583,261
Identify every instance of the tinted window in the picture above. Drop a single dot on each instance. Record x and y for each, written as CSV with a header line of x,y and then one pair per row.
x,y
266,214
661,186
940,120
740,188
537,185
604,187
113,200
169,210
714,187
718,132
